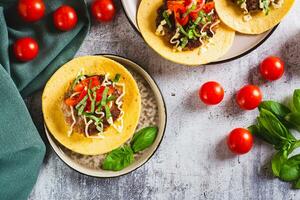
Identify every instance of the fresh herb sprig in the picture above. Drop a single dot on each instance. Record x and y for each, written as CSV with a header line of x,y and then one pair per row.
x,y
273,126
123,156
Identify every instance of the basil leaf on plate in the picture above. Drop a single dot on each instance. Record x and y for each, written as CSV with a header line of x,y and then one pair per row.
x,y
118,159
143,139
296,100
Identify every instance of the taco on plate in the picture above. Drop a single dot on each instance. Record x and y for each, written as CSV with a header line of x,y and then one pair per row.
x,y
184,31
91,105
252,16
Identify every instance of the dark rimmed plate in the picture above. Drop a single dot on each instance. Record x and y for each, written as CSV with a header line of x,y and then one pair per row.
x,y
242,45
153,113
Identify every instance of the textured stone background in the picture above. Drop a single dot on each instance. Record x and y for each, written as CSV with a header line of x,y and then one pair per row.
x,y
193,161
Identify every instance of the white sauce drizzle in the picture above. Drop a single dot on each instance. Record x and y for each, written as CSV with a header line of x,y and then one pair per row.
x,y
212,26
74,122
119,103
160,29
106,82
175,40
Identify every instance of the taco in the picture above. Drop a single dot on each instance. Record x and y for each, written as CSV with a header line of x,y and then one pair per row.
x,y
91,105
252,16
184,31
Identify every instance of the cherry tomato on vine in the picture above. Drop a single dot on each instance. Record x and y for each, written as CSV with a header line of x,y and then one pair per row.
x,y
65,18
103,10
31,10
240,141
211,93
249,97
25,49
272,68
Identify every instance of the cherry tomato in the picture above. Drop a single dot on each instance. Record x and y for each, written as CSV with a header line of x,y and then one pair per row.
x,y
249,97
65,18
240,141
103,10
211,93
25,49
271,68
31,10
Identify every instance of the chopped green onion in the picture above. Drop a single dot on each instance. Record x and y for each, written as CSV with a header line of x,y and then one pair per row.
x,y
183,31
190,34
111,98
104,96
93,102
117,78
96,119
81,109
166,17
196,34
83,101
189,10
107,112
184,42
76,80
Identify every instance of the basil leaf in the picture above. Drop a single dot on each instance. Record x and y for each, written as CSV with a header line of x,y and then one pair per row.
x,y
297,184
296,100
143,139
264,135
294,119
118,159
290,170
271,123
278,109
277,161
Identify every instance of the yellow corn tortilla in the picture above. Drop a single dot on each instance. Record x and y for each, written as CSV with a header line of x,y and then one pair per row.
x,y
53,97
221,42
232,16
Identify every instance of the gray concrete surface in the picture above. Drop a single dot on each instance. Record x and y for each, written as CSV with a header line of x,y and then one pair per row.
x,y
193,161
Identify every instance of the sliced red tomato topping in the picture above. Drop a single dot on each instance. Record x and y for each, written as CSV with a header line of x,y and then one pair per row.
x,y
71,101
209,6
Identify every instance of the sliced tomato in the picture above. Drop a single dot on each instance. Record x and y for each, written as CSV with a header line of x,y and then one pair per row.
x,y
82,94
179,11
99,93
209,6
88,106
71,101
94,80
110,91
171,5
79,87
200,4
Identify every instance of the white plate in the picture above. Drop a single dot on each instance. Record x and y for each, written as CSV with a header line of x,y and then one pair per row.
x,y
153,112
242,45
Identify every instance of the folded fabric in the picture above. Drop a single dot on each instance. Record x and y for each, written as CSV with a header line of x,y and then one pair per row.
x,y
21,148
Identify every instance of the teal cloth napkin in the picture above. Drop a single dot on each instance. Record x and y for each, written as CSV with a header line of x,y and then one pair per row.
x,y
21,148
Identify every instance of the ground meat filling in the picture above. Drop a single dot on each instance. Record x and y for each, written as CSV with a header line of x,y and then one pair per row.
x,y
253,5
193,42
80,125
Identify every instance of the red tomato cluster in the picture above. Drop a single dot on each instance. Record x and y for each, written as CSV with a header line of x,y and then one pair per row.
x,y
64,19
247,98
